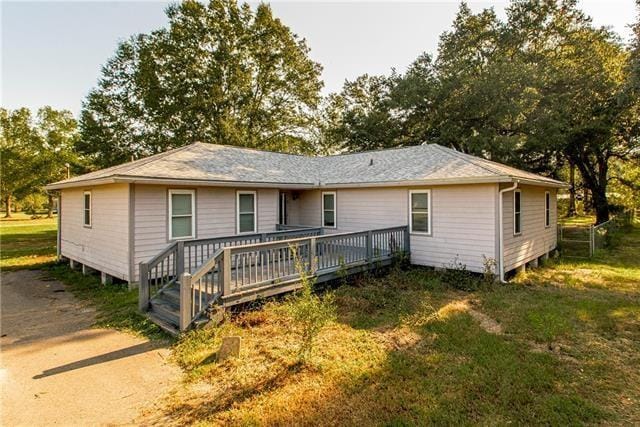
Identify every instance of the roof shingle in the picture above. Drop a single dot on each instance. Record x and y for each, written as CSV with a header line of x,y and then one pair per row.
x,y
211,163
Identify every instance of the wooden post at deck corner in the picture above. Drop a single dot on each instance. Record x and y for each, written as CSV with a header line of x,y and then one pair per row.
x,y
313,267
226,272
369,246
185,301
407,241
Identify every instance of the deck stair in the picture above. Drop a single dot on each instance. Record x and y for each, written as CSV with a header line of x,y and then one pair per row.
x,y
180,286
164,308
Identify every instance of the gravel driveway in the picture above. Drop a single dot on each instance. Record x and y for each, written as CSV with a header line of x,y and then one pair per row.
x,y
56,369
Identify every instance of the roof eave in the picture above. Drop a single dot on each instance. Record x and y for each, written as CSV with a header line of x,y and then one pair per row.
x,y
174,181
218,183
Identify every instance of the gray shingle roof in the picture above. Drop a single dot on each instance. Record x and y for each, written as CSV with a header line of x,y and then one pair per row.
x,y
210,163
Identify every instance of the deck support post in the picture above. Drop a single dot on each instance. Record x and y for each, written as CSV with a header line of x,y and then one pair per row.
x,y
105,279
369,247
407,241
85,270
226,272
185,301
313,267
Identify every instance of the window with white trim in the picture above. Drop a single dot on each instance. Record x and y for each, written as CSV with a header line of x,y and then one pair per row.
x,y
419,211
517,212
182,218
547,209
87,208
247,215
329,209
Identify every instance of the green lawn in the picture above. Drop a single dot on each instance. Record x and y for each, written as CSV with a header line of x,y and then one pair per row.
x,y
406,349
27,243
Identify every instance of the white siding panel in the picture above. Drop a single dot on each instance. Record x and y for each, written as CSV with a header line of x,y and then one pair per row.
x,y
105,245
535,239
309,208
463,220
215,216
463,227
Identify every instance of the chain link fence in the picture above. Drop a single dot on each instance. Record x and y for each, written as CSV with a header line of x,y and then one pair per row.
x,y
582,241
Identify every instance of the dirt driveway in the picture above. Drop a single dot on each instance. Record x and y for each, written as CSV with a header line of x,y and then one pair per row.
x,y
56,369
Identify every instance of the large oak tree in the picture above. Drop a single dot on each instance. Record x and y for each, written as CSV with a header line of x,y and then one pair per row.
x,y
220,72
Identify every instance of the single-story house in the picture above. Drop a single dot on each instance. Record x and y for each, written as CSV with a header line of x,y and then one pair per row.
x,y
456,206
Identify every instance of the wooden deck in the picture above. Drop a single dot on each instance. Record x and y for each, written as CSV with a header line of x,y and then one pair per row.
x,y
181,291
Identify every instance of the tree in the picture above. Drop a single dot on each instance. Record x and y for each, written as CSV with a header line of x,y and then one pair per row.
x,y
57,133
35,152
365,118
17,143
218,73
375,112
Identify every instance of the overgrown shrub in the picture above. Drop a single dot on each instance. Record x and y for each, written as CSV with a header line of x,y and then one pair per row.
x,y
455,274
488,270
308,312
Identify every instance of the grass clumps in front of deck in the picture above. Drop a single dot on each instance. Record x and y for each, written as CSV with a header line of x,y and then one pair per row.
x,y
408,348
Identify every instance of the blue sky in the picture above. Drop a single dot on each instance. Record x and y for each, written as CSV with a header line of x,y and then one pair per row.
x,y
52,51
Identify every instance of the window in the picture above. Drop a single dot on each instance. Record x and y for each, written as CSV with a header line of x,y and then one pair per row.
x,y
246,208
87,209
517,212
182,209
547,209
420,207
329,209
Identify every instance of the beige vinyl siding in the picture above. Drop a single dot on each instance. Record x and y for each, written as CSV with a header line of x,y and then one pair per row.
x,y
462,226
309,208
535,239
462,219
367,208
105,245
215,216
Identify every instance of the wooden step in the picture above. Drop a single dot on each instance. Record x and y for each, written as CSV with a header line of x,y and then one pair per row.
x,y
165,310
172,294
163,323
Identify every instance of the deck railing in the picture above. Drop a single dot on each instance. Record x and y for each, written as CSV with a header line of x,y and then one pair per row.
x,y
233,271
164,269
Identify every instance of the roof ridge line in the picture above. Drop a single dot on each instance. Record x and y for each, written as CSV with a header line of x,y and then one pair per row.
x,y
238,147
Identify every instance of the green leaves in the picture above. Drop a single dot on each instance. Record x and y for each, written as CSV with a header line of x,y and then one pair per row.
x,y
219,73
35,151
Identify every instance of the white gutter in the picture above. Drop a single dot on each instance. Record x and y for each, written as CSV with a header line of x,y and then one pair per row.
x,y
501,229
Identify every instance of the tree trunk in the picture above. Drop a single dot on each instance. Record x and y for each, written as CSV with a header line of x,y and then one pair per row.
x,y
572,190
600,205
50,206
7,202
594,172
